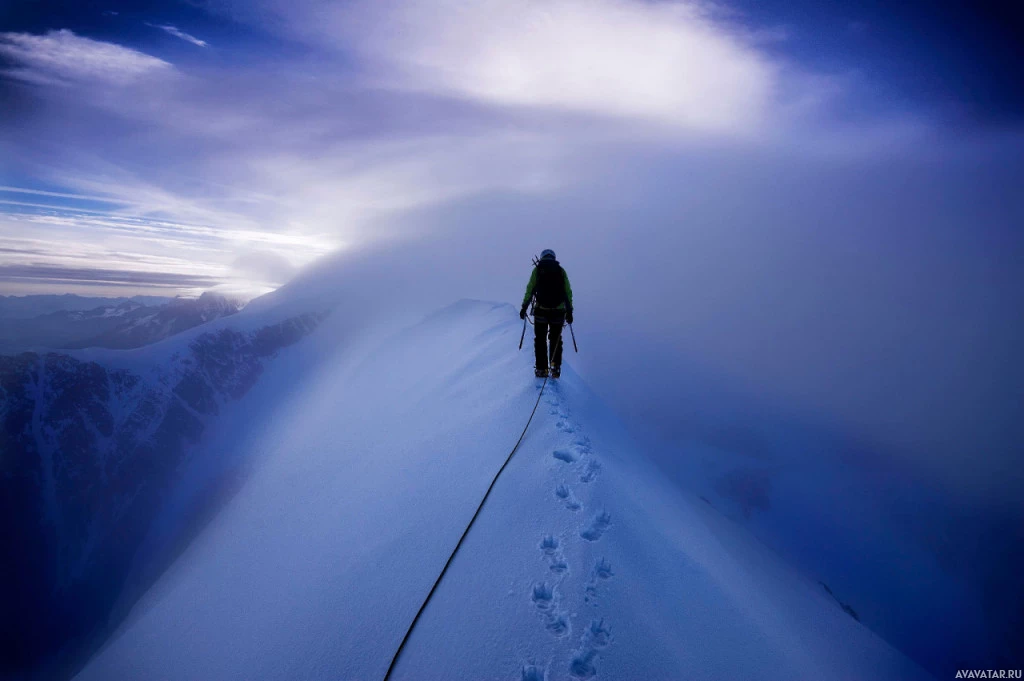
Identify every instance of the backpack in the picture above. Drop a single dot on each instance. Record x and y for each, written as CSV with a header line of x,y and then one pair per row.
x,y
550,291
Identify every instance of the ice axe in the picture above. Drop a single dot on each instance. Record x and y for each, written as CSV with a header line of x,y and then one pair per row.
x,y
571,332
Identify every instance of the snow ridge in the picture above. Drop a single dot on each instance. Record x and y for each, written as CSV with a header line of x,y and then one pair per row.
x,y
584,564
578,465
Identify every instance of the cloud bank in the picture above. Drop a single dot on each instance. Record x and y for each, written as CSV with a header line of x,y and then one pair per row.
x,y
667,63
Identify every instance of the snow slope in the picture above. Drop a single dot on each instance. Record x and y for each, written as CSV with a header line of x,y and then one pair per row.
x,y
583,564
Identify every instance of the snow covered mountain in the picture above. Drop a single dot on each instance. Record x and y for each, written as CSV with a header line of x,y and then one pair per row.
x,y
27,307
367,454
149,325
119,323
92,445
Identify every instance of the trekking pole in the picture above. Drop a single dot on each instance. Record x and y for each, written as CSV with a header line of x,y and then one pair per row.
x,y
525,319
573,333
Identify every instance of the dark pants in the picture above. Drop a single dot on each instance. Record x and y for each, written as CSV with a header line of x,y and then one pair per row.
x,y
547,329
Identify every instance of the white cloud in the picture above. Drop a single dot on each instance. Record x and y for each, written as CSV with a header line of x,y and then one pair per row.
x,y
666,62
178,33
61,57
352,188
263,266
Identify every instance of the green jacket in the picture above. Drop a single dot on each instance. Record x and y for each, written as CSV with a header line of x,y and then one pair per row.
x,y
532,286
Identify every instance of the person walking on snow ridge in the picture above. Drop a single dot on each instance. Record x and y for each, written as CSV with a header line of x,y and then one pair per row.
x,y
552,308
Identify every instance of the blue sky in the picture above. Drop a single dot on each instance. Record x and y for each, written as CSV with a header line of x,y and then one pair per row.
x,y
191,145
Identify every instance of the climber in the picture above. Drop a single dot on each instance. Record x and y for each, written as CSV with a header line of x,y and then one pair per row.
x,y
552,295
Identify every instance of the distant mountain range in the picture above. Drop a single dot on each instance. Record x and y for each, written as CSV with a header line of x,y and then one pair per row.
x,y
27,307
74,322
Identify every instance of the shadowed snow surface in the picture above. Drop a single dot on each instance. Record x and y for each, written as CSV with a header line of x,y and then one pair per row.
x,y
583,564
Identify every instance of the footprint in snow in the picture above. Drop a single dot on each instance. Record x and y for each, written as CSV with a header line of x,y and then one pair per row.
x,y
565,494
596,637
556,561
582,665
558,625
546,601
563,455
593,468
566,427
532,672
597,527
602,571
543,596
